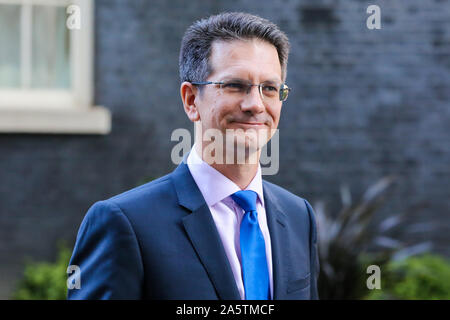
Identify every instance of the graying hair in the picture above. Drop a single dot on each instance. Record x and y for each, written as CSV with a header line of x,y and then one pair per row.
x,y
197,41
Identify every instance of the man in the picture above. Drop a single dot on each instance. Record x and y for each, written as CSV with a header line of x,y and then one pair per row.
x,y
211,229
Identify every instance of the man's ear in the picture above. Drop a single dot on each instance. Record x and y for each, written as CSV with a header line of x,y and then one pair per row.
x,y
188,93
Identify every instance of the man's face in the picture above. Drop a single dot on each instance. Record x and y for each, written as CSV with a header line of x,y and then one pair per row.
x,y
254,61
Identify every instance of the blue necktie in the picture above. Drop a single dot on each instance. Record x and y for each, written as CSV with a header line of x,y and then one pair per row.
x,y
253,249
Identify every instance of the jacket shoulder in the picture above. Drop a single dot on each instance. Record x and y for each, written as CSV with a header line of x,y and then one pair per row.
x,y
148,192
284,194
288,200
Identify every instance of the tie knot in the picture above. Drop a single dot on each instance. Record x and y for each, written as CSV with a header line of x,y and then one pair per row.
x,y
246,199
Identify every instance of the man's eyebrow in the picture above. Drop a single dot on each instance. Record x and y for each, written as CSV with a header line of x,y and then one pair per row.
x,y
235,78
273,80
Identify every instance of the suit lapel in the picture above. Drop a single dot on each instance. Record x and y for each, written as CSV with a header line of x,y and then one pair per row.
x,y
203,234
276,221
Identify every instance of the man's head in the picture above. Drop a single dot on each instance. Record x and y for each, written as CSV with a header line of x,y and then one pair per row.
x,y
229,51
197,41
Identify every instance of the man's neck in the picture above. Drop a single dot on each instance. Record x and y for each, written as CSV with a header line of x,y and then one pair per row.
x,y
241,174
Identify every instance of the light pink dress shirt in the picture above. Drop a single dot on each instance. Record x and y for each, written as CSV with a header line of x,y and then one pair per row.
x,y
227,215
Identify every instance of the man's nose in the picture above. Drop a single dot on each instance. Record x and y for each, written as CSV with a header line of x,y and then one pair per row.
x,y
253,101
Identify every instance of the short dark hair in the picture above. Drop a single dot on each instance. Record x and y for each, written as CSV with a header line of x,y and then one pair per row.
x,y
197,41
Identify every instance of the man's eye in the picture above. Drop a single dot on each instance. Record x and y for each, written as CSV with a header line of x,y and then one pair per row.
x,y
270,88
234,86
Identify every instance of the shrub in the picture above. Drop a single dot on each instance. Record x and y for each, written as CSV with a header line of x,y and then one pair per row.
x,y
44,280
424,277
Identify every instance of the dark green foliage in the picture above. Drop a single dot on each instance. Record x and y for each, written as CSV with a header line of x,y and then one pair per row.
x,y
45,281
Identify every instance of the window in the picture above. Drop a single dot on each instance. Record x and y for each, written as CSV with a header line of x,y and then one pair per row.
x,y
46,69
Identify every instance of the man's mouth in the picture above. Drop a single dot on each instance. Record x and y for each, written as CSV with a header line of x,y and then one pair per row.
x,y
252,124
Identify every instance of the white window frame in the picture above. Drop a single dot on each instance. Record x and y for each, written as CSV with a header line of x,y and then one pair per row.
x,y
57,111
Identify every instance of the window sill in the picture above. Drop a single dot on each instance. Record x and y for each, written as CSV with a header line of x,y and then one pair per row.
x,y
94,120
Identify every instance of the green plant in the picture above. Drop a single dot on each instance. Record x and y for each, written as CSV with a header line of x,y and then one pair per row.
x,y
44,280
424,277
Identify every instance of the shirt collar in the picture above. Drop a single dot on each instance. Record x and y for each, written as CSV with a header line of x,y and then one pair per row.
x,y
213,185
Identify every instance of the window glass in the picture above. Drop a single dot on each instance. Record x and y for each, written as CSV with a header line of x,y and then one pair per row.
x,y
50,48
9,46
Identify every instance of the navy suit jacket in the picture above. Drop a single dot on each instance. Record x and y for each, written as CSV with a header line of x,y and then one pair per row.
x,y
159,241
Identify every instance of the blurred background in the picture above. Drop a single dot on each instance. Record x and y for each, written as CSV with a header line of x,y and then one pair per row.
x,y
89,97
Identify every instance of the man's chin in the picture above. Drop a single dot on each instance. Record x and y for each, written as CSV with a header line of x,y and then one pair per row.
x,y
246,148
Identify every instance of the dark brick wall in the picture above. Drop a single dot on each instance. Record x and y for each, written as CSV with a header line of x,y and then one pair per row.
x,y
365,104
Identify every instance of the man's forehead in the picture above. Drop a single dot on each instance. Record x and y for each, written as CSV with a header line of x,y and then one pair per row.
x,y
238,57
235,45
229,75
